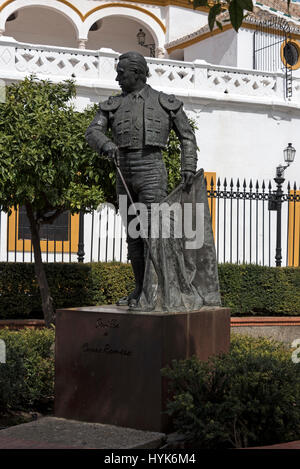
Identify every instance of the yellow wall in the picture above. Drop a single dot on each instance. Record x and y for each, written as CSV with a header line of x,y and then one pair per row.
x,y
294,231
15,244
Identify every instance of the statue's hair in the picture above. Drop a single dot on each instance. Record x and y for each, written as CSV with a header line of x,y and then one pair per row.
x,y
137,62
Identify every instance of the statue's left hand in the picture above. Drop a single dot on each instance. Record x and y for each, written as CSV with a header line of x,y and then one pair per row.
x,y
187,180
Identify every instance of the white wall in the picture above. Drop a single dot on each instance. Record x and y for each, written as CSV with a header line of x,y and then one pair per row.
x,y
183,21
220,49
244,140
119,34
245,48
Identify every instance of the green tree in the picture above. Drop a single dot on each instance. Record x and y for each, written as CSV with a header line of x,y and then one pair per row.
x,y
45,162
236,10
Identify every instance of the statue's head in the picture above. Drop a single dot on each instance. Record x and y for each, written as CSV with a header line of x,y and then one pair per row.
x,y
132,71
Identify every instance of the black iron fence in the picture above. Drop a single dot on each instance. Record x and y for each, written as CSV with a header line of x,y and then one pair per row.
x,y
253,222
256,222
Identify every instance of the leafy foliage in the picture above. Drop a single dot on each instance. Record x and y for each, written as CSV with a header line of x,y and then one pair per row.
x,y
110,281
172,158
235,9
245,289
46,164
27,377
71,284
255,289
45,160
248,397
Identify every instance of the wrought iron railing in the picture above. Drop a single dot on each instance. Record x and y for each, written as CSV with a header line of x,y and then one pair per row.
x,y
245,229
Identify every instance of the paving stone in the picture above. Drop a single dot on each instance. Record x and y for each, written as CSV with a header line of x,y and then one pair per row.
x,y
53,432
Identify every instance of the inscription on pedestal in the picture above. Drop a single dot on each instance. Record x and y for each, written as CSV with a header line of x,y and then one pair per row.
x,y
97,346
107,348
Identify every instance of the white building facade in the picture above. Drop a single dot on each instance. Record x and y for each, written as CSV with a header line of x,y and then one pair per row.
x,y
229,83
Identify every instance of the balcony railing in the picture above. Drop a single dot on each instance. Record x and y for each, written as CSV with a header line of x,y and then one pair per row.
x,y
97,70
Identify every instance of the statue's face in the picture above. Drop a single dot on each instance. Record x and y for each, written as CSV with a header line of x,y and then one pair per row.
x,y
127,78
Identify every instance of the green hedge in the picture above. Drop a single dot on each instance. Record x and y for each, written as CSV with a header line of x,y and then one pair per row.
x,y
246,289
27,377
253,289
248,397
19,291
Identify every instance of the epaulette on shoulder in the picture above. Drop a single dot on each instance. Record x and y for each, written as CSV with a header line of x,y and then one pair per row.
x,y
169,101
111,104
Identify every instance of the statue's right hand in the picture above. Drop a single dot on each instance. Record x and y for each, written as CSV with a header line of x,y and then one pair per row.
x,y
111,151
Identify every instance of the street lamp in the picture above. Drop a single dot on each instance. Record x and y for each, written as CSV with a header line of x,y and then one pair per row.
x,y
275,201
141,35
289,156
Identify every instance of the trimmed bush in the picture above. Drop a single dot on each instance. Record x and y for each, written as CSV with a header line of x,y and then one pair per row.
x,y
248,397
245,289
27,377
19,291
110,281
255,289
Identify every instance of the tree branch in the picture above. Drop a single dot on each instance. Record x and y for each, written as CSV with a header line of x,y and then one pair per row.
x,y
50,219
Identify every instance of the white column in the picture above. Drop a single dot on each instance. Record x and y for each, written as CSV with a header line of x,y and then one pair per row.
x,y
82,43
7,55
200,67
160,53
107,71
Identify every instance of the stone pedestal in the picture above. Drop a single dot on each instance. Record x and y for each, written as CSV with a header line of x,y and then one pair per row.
x,y
108,360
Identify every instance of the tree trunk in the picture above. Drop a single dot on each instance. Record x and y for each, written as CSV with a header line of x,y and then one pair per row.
x,y
47,302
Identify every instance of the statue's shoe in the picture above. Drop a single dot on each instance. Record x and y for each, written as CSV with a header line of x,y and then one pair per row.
x,y
133,305
123,301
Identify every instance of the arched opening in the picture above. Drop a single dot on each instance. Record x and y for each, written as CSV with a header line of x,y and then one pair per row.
x,y
41,25
120,34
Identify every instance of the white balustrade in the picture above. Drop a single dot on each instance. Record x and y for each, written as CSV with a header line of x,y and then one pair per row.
x,y
56,63
97,69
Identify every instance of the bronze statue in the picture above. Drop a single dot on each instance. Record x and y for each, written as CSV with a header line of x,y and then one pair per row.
x,y
141,119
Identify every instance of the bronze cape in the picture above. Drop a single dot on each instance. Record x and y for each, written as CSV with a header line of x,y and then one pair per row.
x,y
182,279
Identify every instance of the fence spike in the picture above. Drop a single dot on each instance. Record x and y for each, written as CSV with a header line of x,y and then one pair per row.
x,y
288,186
244,184
256,185
270,186
250,184
263,185
295,186
238,184
212,182
231,183
225,183
218,183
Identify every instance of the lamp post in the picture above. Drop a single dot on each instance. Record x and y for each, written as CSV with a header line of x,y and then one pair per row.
x,y
141,42
81,253
275,202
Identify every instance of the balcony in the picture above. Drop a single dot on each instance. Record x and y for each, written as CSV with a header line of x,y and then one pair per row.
x,y
95,70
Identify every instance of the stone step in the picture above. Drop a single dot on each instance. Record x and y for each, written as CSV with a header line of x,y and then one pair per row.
x,y
59,433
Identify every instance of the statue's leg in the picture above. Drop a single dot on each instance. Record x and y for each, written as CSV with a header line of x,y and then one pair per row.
x,y
135,245
151,188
